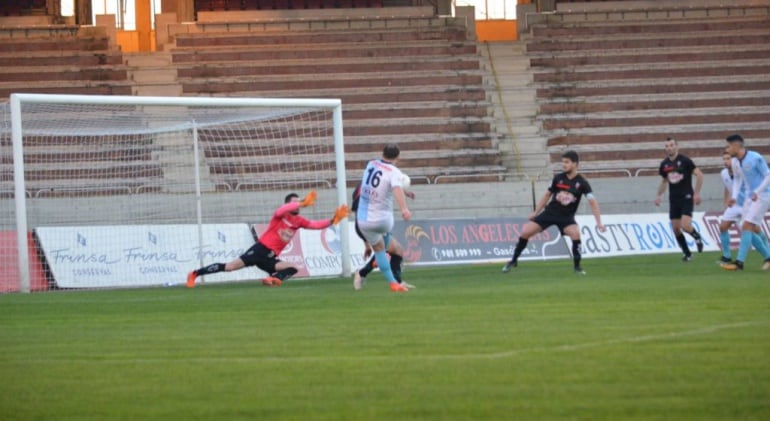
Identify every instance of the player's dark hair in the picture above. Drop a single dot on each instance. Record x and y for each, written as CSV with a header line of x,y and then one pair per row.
x,y
671,139
290,196
571,155
391,151
734,138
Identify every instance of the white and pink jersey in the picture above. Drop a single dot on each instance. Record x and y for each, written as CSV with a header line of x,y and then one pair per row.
x,y
376,202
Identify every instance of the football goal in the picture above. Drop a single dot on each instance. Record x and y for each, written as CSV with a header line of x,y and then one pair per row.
x,y
123,191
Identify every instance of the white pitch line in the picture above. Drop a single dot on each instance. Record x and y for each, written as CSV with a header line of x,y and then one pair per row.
x,y
405,355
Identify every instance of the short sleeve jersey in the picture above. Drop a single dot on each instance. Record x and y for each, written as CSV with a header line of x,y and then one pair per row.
x,y
678,173
752,169
376,200
566,194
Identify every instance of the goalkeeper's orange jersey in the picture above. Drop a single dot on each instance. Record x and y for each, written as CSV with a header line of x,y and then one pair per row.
x,y
285,224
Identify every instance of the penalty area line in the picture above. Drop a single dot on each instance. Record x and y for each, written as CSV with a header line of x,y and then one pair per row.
x,y
707,330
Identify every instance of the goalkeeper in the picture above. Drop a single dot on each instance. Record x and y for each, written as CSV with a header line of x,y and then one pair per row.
x,y
264,253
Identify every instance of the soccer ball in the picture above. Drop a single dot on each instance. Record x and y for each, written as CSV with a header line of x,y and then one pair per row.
x,y
405,181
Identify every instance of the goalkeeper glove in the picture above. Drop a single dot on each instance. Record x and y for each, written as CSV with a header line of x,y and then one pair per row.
x,y
309,200
340,213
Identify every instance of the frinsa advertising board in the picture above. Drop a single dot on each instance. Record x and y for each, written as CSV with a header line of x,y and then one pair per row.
x,y
154,255
141,255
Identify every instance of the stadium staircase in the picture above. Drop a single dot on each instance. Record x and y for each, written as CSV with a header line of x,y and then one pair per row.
x,y
512,93
404,76
152,74
615,79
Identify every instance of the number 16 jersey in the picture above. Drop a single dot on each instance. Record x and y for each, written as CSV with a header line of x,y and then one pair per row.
x,y
376,202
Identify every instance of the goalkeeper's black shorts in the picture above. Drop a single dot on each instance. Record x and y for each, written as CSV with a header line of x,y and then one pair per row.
x,y
260,256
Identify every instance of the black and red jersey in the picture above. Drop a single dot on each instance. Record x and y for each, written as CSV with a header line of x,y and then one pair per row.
x,y
566,193
678,173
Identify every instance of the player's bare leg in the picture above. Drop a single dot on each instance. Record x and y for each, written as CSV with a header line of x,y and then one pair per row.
x,y
528,230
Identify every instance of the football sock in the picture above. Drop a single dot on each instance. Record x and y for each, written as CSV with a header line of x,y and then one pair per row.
x,y
368,267
683,244
759,241
576,253
285,273
212,268
724,239
695,234
395,266
384,264
743,250
520,246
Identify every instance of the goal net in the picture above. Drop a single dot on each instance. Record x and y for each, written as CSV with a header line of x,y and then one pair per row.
x,y
111,191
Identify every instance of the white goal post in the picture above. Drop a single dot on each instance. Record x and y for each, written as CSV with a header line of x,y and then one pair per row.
x,y
125,191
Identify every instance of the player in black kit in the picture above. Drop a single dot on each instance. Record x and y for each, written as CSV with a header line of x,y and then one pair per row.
x,y
558,207
677,171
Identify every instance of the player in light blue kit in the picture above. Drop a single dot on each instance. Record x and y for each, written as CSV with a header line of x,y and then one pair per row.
x,y
751,173
380,185
733,213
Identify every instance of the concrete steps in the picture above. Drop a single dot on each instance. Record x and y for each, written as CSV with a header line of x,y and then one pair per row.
x,y
152,74
512,92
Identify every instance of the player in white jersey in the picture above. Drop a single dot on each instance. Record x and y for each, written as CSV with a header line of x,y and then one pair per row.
x,y
380,185
732,213
750,172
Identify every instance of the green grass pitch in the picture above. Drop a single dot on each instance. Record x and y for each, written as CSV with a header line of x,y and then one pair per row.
x,y
637,338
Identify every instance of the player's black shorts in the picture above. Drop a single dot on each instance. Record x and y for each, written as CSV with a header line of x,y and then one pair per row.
x,y
679,207
546,219
260,256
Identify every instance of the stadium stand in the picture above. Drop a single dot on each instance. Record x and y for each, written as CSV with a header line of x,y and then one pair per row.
x,y
67,59
60,59
75,166
404,76
615,79
413,79
23,8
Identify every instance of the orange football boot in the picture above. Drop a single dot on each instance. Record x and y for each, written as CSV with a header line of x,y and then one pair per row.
x,y
191,279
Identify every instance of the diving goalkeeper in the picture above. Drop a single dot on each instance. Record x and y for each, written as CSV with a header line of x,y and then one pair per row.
x,y
264,253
